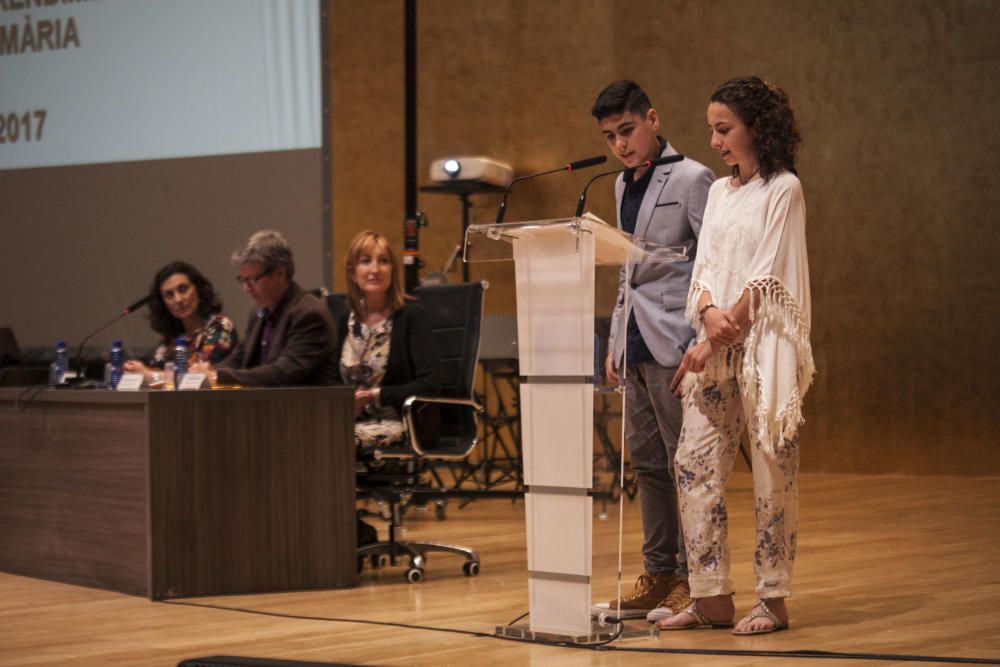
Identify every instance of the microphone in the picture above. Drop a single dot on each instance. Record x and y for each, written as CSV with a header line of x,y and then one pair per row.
x,y
587,162
578,164
649,164
79,381
138,304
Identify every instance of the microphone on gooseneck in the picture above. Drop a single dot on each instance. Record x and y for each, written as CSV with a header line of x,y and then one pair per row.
x,y
79,381
572,166
649,164
587,162
138,304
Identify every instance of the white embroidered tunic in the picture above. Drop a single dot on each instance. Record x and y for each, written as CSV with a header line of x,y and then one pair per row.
x,y
754,237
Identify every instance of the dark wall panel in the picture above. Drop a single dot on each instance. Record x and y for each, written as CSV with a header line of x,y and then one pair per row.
x,y
68,274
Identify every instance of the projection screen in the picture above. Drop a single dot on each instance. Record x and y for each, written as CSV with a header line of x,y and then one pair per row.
x,y
137,132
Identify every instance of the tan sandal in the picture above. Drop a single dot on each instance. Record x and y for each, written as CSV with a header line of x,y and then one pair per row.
x,y
701,622
764,612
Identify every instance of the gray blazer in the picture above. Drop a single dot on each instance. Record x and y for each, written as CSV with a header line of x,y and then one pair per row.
x,y
670,215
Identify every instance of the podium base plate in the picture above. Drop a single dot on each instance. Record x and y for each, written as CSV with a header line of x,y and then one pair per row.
x,y
599,633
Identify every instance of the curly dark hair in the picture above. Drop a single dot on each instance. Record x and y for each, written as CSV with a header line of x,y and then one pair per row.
x,y
160,318
765,110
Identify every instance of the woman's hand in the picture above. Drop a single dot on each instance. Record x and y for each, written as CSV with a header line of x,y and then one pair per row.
x,y
721,326
693,362
362,398
135,366
211,374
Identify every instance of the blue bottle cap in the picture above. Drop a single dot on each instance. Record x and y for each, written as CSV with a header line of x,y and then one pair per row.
x,y
181,341
116,342
60,344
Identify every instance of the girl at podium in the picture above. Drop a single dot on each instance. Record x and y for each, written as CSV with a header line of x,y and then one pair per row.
x,y
185,304
752,365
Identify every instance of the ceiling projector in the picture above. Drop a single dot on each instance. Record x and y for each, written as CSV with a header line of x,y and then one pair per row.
x,y
471,168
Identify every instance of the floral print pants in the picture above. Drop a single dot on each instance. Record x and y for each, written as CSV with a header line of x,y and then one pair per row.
x,y
714,418
374,433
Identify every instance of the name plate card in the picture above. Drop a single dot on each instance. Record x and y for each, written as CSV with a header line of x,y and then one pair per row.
x,y
130,382
192,381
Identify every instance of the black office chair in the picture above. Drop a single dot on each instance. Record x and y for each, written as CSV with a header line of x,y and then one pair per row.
x,y
438,428
336,302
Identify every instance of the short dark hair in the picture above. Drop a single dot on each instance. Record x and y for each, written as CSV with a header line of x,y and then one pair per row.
x,y
619,97
765,110
268,248
160,319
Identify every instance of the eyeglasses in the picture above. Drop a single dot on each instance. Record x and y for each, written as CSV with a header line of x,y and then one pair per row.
x,y
253,280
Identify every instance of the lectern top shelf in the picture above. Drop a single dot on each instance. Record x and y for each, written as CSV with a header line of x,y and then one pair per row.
x,y
495,242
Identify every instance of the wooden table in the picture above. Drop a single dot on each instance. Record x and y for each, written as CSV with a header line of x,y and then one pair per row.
x,y
169,494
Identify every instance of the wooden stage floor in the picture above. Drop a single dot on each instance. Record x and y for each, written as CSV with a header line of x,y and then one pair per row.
x,y
886,565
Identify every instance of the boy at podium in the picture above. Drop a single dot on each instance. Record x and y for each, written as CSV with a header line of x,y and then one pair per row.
x,y
664,205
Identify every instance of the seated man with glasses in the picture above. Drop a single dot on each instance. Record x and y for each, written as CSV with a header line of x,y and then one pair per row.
x,y
291,337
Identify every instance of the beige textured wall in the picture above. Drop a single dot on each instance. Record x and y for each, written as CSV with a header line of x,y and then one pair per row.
x,y
895,98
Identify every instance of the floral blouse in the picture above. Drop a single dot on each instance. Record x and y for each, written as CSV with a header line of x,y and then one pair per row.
x,y
211,343
364,357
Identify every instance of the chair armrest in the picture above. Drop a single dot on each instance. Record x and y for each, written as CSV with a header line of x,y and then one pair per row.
x,y
439,399
414,428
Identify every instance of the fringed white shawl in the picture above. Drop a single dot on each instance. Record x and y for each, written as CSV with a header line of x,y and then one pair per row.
x,y
754,237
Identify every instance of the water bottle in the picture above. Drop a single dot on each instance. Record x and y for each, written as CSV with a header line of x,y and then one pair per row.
x,y
58,369
117,361
180,361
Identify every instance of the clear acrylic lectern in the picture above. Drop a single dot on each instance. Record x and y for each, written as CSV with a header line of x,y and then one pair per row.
x,y
554,266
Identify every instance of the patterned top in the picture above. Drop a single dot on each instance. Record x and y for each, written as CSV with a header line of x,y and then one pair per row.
x,y
754,238
211,343
363,360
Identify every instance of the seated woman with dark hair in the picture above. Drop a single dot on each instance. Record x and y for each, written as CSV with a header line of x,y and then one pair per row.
x,y
185,304
387,351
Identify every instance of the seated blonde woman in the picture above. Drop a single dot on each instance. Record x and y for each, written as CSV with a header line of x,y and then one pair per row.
x,y
387,350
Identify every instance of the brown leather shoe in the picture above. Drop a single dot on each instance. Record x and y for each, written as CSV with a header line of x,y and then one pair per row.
x,y
678,599
649,590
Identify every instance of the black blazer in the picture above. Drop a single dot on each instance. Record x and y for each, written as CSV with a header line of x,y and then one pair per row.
x,y
304,340
413,367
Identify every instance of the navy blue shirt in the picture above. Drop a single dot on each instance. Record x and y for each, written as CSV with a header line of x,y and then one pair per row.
x,y
636,351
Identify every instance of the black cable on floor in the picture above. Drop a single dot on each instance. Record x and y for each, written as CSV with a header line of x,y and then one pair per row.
x,y
300,617
813,654
604,646
524,615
